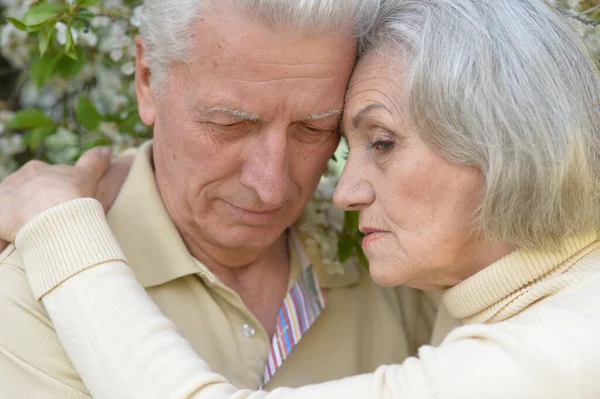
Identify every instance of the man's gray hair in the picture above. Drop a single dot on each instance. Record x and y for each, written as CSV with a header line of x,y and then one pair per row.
x,y
167,25
507,87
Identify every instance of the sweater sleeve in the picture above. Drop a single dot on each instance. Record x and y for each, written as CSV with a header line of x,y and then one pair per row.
x,y
123,347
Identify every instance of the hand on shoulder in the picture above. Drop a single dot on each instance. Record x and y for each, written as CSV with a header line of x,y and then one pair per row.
x,y
38,186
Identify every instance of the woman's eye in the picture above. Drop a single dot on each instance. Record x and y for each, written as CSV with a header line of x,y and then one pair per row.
x,y
382,146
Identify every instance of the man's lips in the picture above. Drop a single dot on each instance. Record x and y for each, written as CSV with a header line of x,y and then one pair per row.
x,y
254,217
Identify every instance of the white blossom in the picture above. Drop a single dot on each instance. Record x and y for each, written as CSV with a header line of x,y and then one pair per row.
x,y
116,54
7,166
88,38
139,128
47,100
14,46
113,3
6,116
29,95
136,16
62,146
100,21
61,33
12,144
322,222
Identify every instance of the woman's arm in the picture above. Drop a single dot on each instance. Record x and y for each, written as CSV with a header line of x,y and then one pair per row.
x,y
123,346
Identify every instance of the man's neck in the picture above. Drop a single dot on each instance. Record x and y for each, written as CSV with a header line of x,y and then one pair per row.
x,y
259,278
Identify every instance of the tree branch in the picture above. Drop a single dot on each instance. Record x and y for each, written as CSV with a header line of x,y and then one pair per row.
x,y
588,11
579,16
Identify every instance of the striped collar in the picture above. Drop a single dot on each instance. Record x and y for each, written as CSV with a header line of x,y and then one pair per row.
x,y
303,304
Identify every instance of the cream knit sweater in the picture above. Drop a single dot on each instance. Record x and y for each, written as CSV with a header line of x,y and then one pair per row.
x,y
532,325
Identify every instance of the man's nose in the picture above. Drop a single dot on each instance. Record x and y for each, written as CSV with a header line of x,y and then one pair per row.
x,y
354,191
266,166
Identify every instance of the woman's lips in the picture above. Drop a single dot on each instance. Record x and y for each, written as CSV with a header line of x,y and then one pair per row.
x,y
371,235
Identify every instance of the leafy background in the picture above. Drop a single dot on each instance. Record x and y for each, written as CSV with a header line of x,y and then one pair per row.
x,y
66,83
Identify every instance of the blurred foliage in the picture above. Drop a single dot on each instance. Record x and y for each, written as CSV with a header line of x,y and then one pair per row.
x,y
73,86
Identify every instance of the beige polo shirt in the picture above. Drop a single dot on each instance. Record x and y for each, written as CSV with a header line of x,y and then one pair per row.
x,y
362,326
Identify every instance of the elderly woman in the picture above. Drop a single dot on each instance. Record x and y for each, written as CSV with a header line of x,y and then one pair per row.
x,y
474,162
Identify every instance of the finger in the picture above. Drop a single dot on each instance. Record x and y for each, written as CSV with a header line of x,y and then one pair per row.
x,y
95,162
3,245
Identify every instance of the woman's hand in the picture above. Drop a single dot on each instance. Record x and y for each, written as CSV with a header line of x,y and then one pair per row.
x,y
38,186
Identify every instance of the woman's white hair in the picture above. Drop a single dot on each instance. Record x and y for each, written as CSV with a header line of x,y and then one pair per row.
x,y
507,87
167,25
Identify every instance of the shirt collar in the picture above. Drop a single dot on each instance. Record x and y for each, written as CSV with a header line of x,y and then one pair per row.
x,y
154,249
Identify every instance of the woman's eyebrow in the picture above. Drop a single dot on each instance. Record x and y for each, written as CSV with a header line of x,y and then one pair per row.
x,y
360,114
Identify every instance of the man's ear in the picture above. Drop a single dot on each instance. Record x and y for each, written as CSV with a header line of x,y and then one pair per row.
x,y
146,95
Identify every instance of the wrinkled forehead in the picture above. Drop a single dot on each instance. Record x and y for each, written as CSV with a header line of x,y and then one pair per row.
x,y
240,64
378,83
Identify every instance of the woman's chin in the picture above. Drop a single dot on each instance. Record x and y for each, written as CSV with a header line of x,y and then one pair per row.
x,y
387,274
384,274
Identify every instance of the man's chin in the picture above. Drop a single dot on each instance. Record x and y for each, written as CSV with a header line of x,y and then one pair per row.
x,y
244,236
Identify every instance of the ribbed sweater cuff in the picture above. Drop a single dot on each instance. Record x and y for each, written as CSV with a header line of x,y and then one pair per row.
x,y
65,240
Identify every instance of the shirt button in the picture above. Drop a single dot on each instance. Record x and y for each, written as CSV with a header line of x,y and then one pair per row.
x,y
248,331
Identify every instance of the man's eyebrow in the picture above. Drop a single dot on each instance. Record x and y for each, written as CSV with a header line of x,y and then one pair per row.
x,y
236,113
364,111
324,115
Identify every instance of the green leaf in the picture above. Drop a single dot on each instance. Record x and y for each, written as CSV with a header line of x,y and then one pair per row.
x,y
38,27
345,248
86,114
72,54
87,3
39,19
42,13
70,43
85,16
75,156
45,38
17,24
69,67
351,222
43,68
35,137
29,119
351,240
46,8
362,258
127,125
35,17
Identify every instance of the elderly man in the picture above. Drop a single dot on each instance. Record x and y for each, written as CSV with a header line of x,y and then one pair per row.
x,y
245,98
